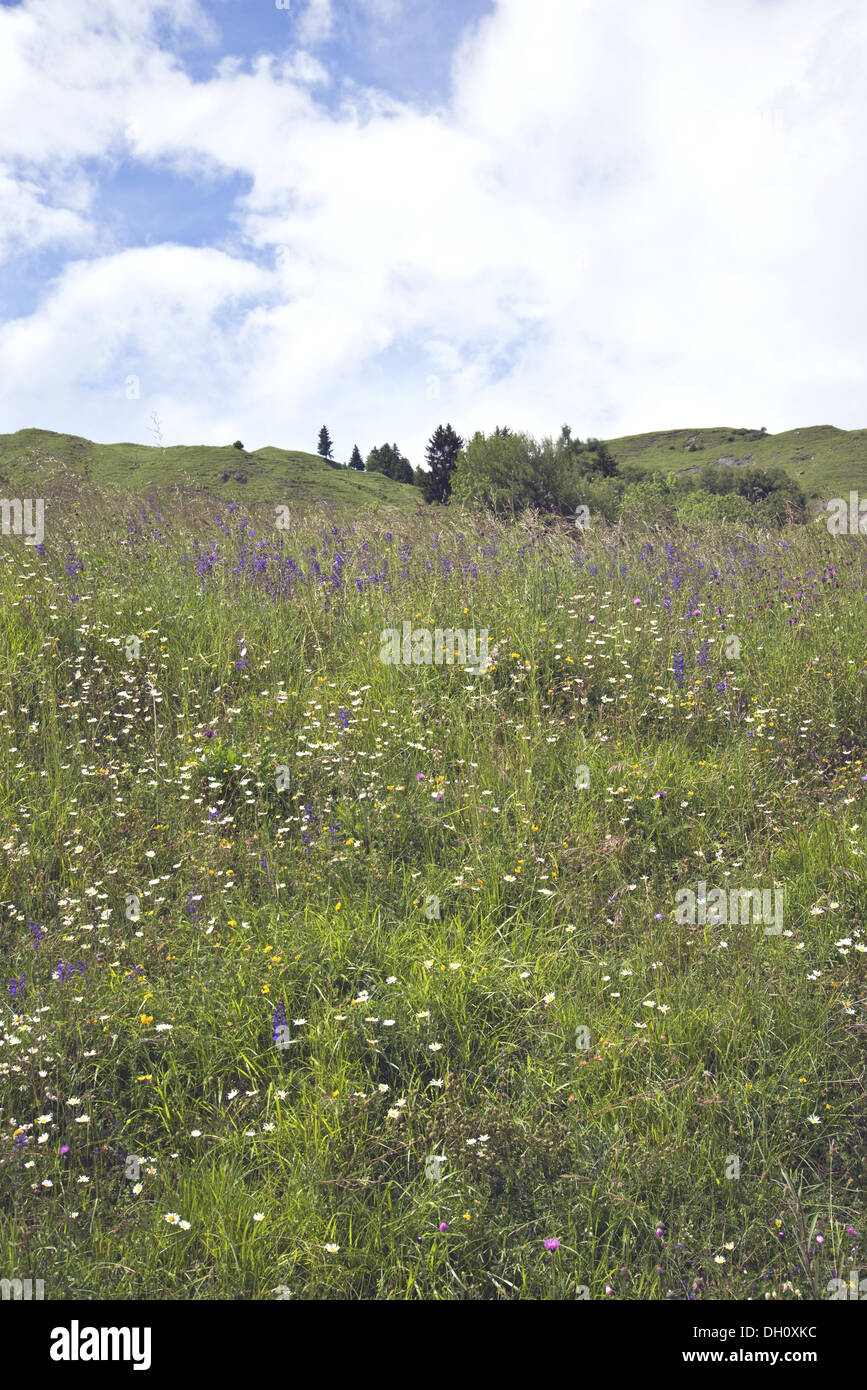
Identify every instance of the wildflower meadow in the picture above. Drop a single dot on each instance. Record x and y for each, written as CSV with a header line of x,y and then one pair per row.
x,y
431,907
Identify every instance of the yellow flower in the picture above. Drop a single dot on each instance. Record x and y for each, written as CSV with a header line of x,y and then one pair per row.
x,y
146,1018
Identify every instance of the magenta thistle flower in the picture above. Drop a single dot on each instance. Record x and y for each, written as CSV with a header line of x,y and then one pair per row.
x,y
552,1243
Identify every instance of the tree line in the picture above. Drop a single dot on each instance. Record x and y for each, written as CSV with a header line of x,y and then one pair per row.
x,y
434,481
507,471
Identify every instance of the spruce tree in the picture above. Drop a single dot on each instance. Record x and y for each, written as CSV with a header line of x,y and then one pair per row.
x,y
387,459
442,454
324,447
355,459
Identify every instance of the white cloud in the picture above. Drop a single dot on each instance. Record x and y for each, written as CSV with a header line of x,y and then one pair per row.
x,y
317,21
629,217
31,220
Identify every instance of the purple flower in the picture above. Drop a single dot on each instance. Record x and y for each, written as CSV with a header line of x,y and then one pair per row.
x,y
278,1022
242,663
552,1243
444,1225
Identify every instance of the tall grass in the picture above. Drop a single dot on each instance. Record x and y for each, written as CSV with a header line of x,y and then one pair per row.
x,y
478,958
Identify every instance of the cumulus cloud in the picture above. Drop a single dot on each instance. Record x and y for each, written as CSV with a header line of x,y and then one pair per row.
x,y
31,220
626,216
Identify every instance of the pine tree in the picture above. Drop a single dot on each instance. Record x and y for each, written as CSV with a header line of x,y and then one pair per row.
x,y
387,459
355,459
324,448
442,455
603,461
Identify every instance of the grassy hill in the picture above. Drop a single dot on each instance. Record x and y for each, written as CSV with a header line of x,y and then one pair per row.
x,y
824,461
40,461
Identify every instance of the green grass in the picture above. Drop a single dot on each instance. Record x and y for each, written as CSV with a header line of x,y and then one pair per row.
x,y
466,941
824,461
40,461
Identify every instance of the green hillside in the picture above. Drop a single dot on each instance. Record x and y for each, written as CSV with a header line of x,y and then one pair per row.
x,y
40,461
824,461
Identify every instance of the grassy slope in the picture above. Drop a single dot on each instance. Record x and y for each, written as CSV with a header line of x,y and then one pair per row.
x,y
825,461
32,459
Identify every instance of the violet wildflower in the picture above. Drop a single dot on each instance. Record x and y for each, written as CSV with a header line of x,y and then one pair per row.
x,y
278,1021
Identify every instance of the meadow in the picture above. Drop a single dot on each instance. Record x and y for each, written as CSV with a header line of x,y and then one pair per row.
x,y
331,979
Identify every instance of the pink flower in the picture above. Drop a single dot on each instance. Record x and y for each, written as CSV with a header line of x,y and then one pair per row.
x,y
552,1243
444,1225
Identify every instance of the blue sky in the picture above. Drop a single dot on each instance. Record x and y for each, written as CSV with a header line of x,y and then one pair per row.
x,y
386,214
405,50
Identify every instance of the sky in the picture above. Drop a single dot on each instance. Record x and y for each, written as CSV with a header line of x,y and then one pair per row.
x,y
246,219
